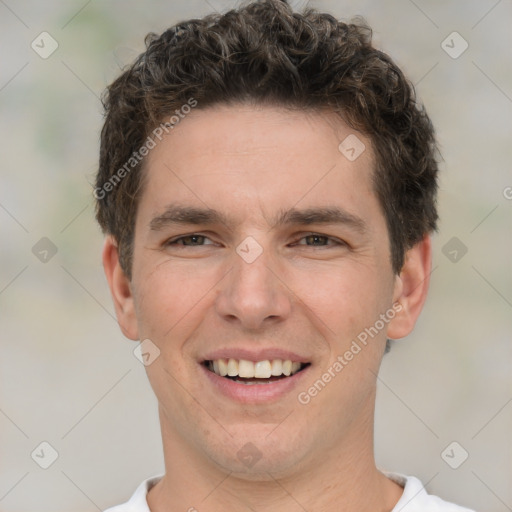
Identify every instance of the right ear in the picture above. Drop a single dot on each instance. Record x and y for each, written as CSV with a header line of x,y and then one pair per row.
x,y
120,289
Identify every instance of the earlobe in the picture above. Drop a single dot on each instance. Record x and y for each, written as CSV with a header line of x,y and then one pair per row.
x,y
120,289
411,288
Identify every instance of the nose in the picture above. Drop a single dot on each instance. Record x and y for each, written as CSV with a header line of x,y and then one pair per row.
x,y
252,295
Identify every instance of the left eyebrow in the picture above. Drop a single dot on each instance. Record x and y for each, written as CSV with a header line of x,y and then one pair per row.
x,y
323,215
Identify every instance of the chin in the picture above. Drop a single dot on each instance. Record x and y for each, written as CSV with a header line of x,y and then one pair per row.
x,y
255,453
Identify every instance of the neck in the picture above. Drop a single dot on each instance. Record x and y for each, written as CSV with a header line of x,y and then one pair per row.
x,y
342,477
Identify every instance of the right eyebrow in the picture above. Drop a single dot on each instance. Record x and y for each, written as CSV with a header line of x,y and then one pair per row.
x,y
175,214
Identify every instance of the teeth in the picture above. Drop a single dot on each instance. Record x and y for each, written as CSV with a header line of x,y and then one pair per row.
x,y
245,369
223,367
277,367
232,368
249,369
263,369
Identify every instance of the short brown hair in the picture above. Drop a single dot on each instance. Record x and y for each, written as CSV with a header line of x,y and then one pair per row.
x,y
265,53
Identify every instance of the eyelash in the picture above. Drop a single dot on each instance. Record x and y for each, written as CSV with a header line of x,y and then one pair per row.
x,y
336,241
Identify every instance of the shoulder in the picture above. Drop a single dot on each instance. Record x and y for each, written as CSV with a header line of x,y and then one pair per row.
x,y
138,502
415,498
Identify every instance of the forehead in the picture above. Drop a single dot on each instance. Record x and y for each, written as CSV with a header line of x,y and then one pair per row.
x,y
244,130
259,158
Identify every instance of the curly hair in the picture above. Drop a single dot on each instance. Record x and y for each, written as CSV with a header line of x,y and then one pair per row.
x,y
265,53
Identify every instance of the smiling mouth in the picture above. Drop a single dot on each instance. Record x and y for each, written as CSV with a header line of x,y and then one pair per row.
x,y
259,372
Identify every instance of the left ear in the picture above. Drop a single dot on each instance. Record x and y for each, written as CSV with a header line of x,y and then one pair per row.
x,y
411,288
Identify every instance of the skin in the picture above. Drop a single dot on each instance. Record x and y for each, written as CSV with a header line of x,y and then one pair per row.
x,y
309,295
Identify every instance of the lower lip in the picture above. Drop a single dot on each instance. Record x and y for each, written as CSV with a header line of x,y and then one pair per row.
x,y
255,393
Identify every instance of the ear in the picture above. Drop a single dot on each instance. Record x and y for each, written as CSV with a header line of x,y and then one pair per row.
x,y
411,288
121,290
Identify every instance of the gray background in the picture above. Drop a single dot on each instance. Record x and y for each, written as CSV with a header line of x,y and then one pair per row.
x,y
67,375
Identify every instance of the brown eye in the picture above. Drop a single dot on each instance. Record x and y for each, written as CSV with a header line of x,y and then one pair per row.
x,y
318,240
189,240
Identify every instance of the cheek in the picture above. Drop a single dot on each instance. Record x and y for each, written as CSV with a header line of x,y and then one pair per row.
x,y
169,298
345,298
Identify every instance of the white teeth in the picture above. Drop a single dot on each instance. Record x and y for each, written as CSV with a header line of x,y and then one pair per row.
x,y
232,367
277,367
245,369
223,367
263,369
249,369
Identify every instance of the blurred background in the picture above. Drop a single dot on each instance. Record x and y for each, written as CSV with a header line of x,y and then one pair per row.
x,y
68,377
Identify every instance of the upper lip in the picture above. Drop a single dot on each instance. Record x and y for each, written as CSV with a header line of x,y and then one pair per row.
x,y
255,355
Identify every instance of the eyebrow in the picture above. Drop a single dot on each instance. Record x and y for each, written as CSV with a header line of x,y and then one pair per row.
x,y
322,215
176,214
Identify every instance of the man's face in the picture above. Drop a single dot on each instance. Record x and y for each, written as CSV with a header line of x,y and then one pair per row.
x,y
294,266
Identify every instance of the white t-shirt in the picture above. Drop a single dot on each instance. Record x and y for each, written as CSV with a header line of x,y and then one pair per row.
x,y
414,498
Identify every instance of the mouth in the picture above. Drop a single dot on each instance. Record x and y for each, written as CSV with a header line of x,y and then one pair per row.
x,y
243,371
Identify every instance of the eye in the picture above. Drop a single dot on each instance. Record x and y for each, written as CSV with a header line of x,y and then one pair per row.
x,y
319,240
316,240
190,240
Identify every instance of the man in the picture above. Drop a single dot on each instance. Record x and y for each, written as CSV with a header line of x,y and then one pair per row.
x,y
267,186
